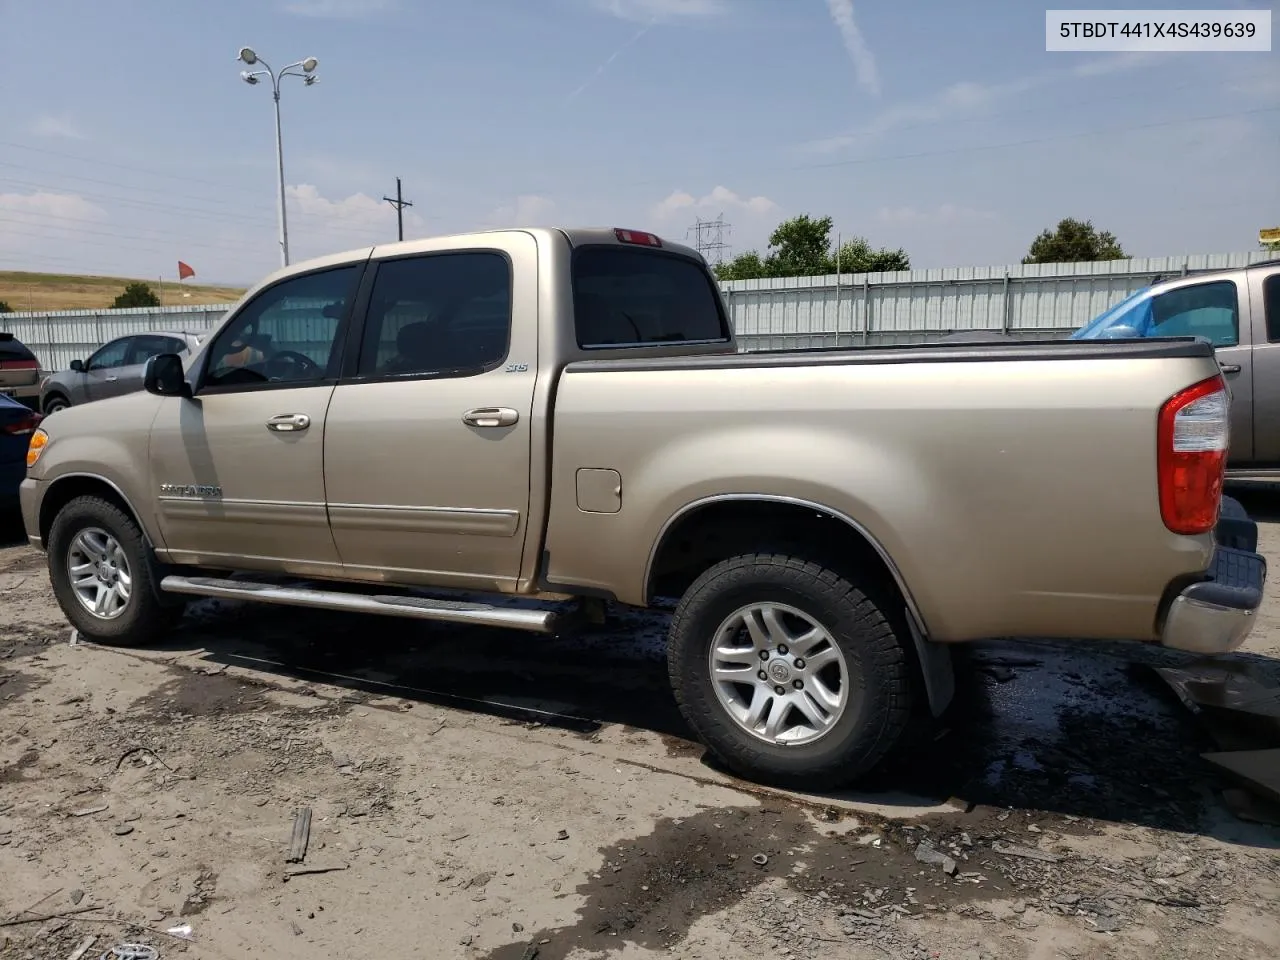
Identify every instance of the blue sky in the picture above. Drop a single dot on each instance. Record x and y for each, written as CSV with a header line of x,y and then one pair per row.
x,y
128,141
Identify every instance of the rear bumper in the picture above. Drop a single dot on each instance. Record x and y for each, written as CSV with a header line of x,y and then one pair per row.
x,y
1217,614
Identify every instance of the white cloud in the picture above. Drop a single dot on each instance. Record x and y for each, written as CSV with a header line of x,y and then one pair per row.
x,y
720,199
50,126
864,62
36,228
318,225
649,11
57,206
947,213
338,9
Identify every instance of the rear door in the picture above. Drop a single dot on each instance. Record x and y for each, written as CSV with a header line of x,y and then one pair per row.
x,y
1264,300
426,451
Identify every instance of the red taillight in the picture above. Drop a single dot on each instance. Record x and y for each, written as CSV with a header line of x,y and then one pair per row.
x,y
21,427
637,237
1192,456
19,364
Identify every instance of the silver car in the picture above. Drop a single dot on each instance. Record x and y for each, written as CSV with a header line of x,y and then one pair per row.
x,y
114,368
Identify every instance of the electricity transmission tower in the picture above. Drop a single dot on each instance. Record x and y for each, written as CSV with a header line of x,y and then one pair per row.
x,y
708,239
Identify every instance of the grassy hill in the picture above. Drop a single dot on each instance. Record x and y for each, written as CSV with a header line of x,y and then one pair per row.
x,y
56,291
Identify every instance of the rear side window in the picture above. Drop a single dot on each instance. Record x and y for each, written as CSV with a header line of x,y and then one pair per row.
x,y
625,297
1271,304
148,346
445,314
11,348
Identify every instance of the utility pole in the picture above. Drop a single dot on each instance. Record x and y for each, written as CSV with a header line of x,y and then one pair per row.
x,y
399,203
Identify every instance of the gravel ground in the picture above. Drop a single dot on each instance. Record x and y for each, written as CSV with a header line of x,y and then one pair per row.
x,y
484,794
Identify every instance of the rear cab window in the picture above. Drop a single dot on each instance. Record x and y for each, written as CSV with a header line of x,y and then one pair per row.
x,y
642,297
14,352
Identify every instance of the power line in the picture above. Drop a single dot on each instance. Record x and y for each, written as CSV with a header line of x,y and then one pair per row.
x,y
399,203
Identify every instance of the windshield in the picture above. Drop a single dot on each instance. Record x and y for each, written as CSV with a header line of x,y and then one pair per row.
x,y
1128,318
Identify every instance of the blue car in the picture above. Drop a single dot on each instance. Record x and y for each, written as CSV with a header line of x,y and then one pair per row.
x,y
17,421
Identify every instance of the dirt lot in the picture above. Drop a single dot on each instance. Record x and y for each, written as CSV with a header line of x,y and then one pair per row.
x,y
482,794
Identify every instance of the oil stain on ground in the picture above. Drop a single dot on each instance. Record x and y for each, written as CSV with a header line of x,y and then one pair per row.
x,y
195,695
649,891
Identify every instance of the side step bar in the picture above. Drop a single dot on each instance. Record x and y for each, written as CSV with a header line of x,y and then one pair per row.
x,y
419,608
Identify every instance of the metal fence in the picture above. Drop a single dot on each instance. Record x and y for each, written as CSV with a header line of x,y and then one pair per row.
x,y
1035,300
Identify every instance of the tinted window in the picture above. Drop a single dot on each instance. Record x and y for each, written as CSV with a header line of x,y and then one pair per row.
x,y
1271,304
623,296
11,348
444,314
146,347
286,334
1208,310
112,354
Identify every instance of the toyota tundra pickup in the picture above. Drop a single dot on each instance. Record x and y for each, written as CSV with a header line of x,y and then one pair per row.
x,y
518,427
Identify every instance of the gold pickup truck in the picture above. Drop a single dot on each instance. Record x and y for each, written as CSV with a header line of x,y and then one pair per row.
x,y
518,427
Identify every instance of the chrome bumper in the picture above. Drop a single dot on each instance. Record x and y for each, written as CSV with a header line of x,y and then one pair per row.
x,y
1217,614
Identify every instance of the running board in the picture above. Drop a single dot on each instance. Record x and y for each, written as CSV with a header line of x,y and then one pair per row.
x,y
420,608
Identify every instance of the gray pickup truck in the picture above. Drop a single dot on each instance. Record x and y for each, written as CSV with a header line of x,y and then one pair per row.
x,y
516,428
1238,311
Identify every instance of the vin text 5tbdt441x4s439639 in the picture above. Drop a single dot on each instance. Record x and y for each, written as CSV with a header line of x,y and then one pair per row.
x,y
563,415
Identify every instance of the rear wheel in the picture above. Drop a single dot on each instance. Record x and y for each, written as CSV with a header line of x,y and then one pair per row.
x,y
104,577
788,672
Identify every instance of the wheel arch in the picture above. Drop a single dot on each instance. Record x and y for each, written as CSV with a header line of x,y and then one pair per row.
x,y
69,486
712,528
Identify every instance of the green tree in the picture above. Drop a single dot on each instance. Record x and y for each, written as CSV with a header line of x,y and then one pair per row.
x,y
4,307
1074,241
745,266
136,294
856,256
801,247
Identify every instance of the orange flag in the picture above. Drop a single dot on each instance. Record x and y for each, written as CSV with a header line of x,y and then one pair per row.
x,y
184,271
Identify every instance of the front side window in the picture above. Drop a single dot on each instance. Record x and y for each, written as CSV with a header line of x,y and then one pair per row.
x,y
112,354
1208,310
146,347
632,297
287,334
439,315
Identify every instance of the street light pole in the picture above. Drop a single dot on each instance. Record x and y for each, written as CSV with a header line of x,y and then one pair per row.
x,y
284,220
308,76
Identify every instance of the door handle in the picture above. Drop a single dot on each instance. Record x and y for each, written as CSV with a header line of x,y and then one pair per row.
x,y
289,422
1230,367
112,379
490,417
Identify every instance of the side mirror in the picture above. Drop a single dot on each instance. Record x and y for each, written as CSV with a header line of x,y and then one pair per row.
x,y
77,366
165,377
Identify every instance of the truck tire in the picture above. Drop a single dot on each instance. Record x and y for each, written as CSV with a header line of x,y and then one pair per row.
x,y
736,657
104,576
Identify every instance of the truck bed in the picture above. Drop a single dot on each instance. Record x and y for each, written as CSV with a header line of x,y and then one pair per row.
x,y
1013,484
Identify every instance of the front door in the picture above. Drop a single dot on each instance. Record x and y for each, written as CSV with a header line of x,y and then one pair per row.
x,y
101,375
238,470
427,445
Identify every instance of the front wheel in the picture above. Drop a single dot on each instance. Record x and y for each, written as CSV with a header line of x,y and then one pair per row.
x,y
54,403
102,574
788,672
